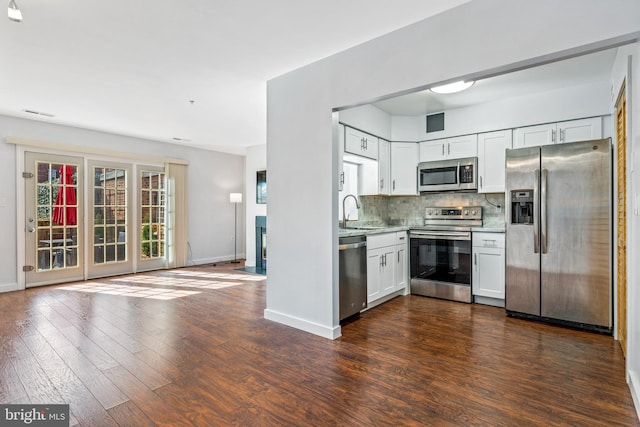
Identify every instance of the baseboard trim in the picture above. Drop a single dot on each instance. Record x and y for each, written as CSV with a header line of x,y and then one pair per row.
x,y
488,301
302,324
634,382
213,260
9,287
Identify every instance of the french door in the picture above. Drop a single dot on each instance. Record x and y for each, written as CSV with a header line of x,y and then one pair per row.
x,y
152,199
53,206
110,222
110,201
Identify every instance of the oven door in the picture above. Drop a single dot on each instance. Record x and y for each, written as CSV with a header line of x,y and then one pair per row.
x,y
440,264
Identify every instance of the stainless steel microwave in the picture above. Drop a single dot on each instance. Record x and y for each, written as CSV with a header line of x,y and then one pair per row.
x,y
448,175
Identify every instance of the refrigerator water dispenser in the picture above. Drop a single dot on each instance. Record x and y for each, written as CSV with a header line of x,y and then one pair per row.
x,y
522,207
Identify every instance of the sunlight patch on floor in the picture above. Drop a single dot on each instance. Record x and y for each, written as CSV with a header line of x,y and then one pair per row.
x,y
129,291
176,281
215,275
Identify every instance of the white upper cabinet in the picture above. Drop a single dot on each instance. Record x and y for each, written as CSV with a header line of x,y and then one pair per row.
x,y
462,146
533,136
580,130
360,143
404,164
449,148
384,167
432,150
491,160
559,133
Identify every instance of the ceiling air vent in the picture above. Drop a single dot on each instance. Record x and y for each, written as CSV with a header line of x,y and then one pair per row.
x,y
38,113
435,122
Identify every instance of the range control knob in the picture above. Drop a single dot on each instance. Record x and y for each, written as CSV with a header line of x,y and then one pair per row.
x,y
474,212
466,212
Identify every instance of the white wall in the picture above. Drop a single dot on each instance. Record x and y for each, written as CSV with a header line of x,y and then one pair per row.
x,y
474,40
256,160
563,104
211,177
368,118
568,103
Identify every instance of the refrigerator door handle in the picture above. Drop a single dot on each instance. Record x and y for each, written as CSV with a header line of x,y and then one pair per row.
x,y
458,175
543,211
536,219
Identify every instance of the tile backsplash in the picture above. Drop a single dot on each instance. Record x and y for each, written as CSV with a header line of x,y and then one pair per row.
x,y
409,210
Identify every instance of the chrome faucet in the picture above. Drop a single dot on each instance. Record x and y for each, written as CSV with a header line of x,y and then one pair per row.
x,y
344,212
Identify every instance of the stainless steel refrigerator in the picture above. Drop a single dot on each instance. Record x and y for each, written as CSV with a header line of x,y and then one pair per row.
x,y
558,233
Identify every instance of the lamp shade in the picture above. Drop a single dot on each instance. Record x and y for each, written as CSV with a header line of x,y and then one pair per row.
x,y
14,12
235,197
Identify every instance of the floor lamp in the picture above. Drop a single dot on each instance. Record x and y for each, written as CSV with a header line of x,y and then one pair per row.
x,y
235,198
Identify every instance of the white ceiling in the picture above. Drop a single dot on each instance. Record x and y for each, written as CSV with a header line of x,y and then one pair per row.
x,y
578,71
133,67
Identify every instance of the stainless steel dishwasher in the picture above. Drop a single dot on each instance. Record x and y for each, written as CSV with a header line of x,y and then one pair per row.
x,y
353,275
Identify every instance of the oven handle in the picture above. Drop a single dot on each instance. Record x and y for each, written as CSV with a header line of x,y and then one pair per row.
x,y
450,235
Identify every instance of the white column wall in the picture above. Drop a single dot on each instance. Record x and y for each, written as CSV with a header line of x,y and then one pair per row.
x,y
476,39
633,282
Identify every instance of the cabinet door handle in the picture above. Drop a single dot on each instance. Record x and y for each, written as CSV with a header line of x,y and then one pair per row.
x,y
398,257
480,182
394,184
553,135
365,144
562,135
342,178
448,148
443,149
475,260
382,183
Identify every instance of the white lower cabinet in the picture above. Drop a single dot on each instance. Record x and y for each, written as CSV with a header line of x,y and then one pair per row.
x,y
386,264
488,268
402,262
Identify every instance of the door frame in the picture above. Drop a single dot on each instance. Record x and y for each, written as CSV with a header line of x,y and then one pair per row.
x,y
23,146
622,95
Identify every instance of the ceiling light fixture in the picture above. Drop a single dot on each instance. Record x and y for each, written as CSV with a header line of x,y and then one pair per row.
x,y
13,12
452,87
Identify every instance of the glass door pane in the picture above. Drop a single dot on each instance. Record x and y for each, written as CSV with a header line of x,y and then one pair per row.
x,y
152,217
110,197
53,206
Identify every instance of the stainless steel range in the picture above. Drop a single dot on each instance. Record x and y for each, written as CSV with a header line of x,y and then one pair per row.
x,y
441,253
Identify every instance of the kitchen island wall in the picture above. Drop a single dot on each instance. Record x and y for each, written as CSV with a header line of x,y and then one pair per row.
x,y
409,210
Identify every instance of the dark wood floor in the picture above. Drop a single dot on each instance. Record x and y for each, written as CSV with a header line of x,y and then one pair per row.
x,y
210,359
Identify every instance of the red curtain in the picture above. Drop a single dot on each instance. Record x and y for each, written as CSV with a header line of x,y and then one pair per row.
x,y
66,199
